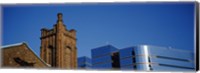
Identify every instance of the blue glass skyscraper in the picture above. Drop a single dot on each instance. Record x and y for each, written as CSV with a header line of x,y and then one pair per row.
x,y
105,57
143,58
84,63
146,57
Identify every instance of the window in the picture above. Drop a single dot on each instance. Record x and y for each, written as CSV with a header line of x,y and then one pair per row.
x,y
23,62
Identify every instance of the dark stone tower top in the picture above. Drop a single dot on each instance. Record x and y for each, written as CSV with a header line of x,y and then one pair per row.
x,y
58,45
59,15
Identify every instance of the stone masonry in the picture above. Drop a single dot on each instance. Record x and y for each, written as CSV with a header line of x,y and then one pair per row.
x,y
58,46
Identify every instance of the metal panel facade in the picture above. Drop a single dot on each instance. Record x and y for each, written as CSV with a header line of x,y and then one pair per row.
x,y
145,57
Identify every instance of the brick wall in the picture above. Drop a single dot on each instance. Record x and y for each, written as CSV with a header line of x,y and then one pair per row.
x,y
20,56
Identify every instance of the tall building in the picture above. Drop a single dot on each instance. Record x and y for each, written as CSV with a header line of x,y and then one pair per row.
x,y
58,45
147,57
84,63
143,58
105,57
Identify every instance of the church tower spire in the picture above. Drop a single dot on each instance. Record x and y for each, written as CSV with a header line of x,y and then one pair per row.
x,y
59,16
58,45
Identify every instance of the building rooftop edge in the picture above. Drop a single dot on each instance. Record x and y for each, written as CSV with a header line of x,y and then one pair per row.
x,y
24,43
10,45
104,46
162,47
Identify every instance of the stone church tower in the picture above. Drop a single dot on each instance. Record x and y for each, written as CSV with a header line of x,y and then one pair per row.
x,y
58,46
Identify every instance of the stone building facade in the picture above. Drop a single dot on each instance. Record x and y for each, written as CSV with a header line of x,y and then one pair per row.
x,y
20,56
58,46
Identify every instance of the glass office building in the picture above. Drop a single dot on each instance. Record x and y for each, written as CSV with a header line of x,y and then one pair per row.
x,y
105,57
84,63
146,57
143,58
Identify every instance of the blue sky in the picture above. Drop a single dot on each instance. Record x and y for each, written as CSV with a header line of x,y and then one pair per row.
x,y
121,25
